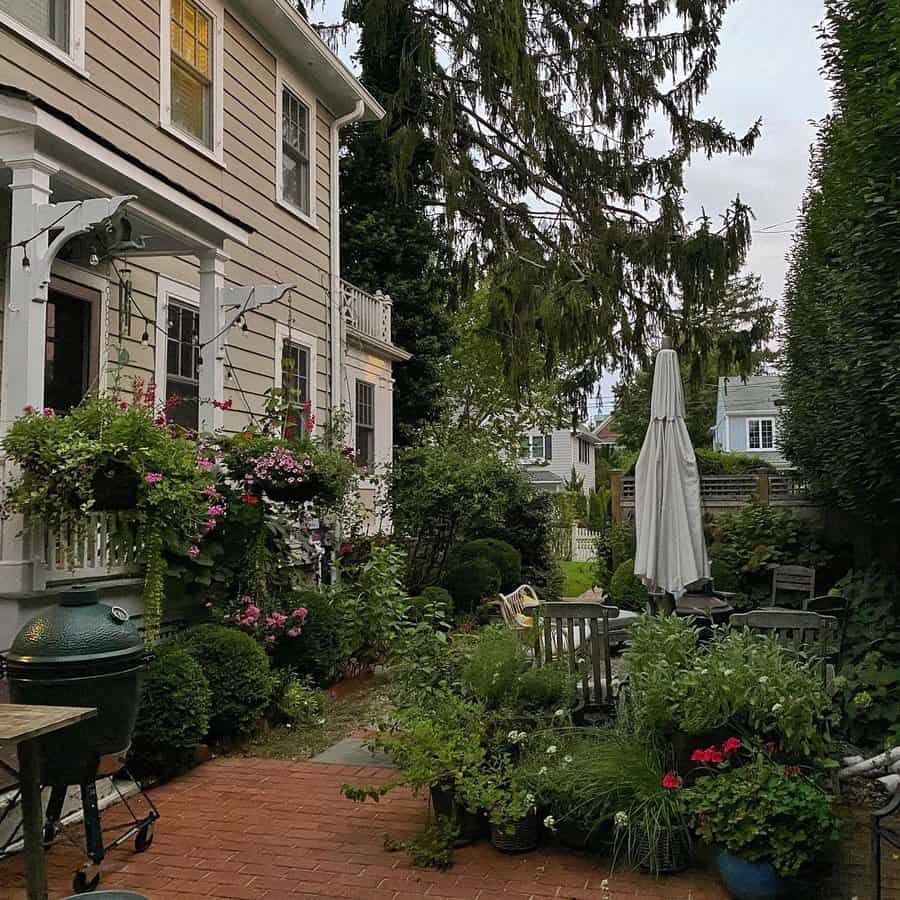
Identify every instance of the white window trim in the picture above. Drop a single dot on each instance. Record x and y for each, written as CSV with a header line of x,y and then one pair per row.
x,y
285,79
311,343
74,58
167,289
365,378
216,11
762,419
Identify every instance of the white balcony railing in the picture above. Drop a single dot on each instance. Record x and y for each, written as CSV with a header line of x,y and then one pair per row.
x,y
104,547
369,314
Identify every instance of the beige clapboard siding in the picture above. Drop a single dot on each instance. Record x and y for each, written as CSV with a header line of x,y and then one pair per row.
x,y
120,101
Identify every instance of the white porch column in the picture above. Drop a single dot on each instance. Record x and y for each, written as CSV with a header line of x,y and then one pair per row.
x,y
25,309
212,370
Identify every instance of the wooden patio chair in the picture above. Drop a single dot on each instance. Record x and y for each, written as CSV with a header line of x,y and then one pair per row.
x,y
831,605
793,579
577,634
809,635
518,608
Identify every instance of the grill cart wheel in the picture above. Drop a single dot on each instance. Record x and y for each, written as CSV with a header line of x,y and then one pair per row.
x,y
144,838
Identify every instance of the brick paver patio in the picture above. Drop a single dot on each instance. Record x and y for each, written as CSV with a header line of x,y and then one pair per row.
x,y
267,829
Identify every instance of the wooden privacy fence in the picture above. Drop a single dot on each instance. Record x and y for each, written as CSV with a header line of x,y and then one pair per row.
x,y
724,493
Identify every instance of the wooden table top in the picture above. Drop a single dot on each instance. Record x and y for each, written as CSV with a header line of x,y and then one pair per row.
x,y
20,722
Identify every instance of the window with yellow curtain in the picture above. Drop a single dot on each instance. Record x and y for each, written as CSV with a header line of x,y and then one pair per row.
x,y
192,70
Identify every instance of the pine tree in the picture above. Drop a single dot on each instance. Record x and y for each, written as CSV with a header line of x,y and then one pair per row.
x,y
389,242
537,119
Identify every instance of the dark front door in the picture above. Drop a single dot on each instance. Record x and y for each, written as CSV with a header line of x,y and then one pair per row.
x,y
66,351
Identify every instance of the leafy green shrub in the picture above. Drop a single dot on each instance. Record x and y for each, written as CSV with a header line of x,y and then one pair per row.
x,y
295,700
495,661
869,681
723,462
470,582
602,574
549,687
504,556
173,717
622,544
764,812
317,651
627,590
598,509
429,601
237,670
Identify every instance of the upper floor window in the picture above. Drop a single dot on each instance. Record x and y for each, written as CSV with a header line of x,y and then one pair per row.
x,y
760,434
192,70
584,452
56,26
365,423
191,76
295,169
534,447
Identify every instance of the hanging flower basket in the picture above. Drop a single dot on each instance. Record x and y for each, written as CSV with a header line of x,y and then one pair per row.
x,y
114,486
299,492
517,837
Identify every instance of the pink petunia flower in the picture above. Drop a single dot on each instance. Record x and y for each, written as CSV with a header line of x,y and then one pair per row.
x,y
194,552
211,491
293,632
153,477
48,412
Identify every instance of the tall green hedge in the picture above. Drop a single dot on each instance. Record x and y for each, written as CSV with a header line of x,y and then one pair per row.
x,y
842,350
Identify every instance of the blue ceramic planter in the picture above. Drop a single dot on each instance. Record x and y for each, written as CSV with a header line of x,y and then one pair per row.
x,y
746,880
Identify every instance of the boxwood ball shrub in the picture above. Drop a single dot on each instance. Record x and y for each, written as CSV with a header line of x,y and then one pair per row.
x,y
237,670
318,650
504,556
471,581
434,597
173,717
627,590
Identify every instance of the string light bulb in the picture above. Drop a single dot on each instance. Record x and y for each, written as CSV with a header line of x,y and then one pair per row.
x,y
145,337
26,262
94,259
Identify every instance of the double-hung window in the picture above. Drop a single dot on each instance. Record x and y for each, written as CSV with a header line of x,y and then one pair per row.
x,y
584,452
535,446
760,434
295,152
183,363
56,26
295,372
192,70
365,424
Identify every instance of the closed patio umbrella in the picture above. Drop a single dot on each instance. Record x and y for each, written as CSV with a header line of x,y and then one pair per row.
x,y
671,551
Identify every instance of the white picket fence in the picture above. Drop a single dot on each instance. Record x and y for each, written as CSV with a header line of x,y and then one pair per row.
x,y
576,544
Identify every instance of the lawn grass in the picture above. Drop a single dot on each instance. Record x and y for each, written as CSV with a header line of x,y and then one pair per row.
x,y
579,578
346,711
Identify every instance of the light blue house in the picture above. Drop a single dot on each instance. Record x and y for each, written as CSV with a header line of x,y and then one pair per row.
x,y
747,417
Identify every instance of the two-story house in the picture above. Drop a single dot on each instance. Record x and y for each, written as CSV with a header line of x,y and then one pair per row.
x,y
169,211
747,417
550,458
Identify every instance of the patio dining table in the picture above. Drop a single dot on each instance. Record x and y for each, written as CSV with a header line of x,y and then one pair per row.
x,y
23,726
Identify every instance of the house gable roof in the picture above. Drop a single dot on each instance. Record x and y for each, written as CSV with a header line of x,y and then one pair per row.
x,y
759,394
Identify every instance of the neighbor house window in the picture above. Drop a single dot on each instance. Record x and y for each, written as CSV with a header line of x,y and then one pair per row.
x,y
536,446
192,70
365,423
183,363
47,19
761,434
295,152
584,452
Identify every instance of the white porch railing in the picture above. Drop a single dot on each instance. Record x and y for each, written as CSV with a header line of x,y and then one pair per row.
x,y
104,547
369,314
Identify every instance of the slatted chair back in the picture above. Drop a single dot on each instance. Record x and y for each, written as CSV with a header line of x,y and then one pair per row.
x,y
519,607
806,633
830,605
577,634
796,579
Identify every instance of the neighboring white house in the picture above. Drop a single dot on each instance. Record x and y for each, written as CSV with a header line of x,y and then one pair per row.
x,y
747,417
549,458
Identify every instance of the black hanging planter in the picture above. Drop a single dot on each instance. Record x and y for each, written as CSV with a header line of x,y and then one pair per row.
x,y
469,824
299,492
516,837
115,486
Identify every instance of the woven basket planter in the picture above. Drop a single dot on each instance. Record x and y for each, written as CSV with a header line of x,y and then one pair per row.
x,y
517,837
672,852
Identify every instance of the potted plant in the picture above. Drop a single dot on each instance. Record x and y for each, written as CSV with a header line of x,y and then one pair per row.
x,y
502,790
767,821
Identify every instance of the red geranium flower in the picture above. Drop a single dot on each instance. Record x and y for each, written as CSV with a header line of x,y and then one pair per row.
x,y
671,780
252,499
731,745
346,548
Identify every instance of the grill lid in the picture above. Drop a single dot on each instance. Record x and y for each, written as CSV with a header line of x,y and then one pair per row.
x,y
80,631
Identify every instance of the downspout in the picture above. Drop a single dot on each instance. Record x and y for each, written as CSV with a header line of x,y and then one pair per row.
x,y
337,318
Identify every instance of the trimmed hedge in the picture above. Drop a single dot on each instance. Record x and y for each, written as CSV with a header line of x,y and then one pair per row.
x,y
505,557
627,590
173,717
471,581
237,670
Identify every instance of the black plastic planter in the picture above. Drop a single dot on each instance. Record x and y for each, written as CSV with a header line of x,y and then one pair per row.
x,y
470,825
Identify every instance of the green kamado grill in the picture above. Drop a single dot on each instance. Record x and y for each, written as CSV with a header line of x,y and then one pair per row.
x,y
83,653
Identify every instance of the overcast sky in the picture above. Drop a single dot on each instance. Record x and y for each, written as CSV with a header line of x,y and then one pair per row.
x,y
769,64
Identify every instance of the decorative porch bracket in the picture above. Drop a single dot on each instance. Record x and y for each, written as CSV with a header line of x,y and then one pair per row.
x,y
219,305
38,231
